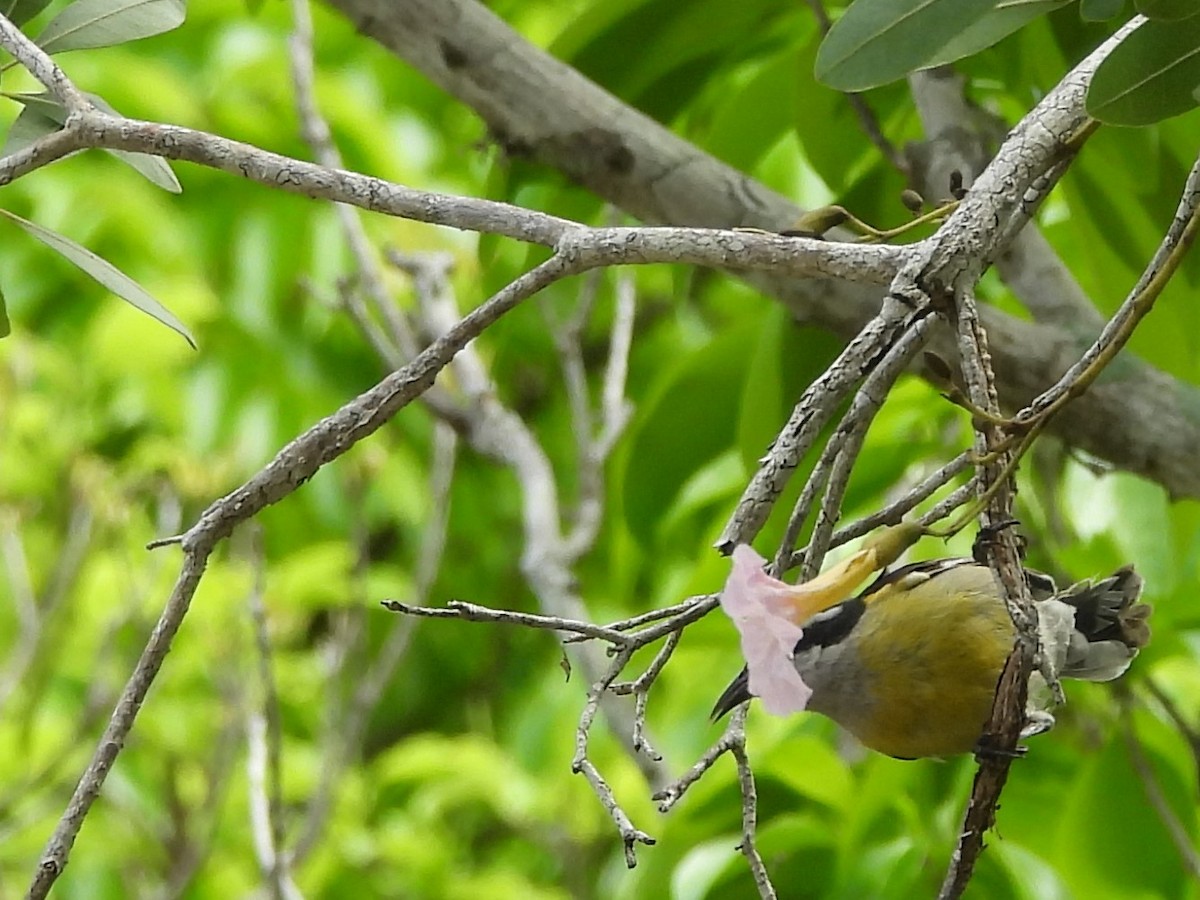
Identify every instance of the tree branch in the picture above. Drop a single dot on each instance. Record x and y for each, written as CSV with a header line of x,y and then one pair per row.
x,y
1145,423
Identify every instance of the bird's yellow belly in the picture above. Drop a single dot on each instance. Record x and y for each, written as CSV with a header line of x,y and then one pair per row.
x,y
933,691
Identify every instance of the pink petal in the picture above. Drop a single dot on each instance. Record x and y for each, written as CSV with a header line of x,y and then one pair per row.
x,y
759,606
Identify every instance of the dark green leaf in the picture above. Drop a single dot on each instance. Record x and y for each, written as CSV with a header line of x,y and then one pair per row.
x,y
5,325
1100,10
1167,9
877,41
998,24
1149,76
154,168
86,24
21,11
103,271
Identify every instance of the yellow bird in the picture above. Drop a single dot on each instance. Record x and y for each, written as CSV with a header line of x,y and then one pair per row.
x,y
910,666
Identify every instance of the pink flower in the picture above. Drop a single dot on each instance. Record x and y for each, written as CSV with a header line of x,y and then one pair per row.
x,y
760,607
768,613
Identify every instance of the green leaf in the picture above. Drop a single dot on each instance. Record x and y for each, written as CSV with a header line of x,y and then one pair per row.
x,y
154,169
21,11
5,325
103,271
30,125
877,41
87,24
1149,76
998,24
1100,10
1168,10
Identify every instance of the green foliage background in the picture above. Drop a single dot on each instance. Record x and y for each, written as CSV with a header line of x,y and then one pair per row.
x,y
462,788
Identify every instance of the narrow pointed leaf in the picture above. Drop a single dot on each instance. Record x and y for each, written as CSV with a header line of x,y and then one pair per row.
x,y
21,11
1150,76
153,168
877,41
30,125
86,24
5,325
103,271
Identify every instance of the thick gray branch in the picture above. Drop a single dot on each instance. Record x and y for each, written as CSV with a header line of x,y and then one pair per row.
x,y
1145,422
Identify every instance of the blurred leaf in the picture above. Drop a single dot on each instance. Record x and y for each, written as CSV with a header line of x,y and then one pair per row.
x,y
1167,9
104,272
87,24
877,41
154,169
5,325
21,11
1138,858
998,24
669,443
1100,10
30,125
1149,76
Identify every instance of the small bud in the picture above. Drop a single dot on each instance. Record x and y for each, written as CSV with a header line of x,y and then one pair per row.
x,y
912,201
957,191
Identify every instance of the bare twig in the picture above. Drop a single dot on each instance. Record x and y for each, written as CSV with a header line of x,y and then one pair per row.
x,y
264,735
852,431
346,726
291,467
762,880
457,609
815,409
631,836
734,732
315,131
866,116
654,615
1008,711
898,508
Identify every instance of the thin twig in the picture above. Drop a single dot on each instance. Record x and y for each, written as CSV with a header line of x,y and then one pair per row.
x,y
458,609
631,836
1008,710
734,732
895,511
866,116
653,615
265,736
815,408
748,846
291,467
852,431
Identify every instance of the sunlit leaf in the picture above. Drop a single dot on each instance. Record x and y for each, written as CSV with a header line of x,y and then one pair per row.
x,y
87,24
877,41
154,169
101,270
1149,76
21,11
